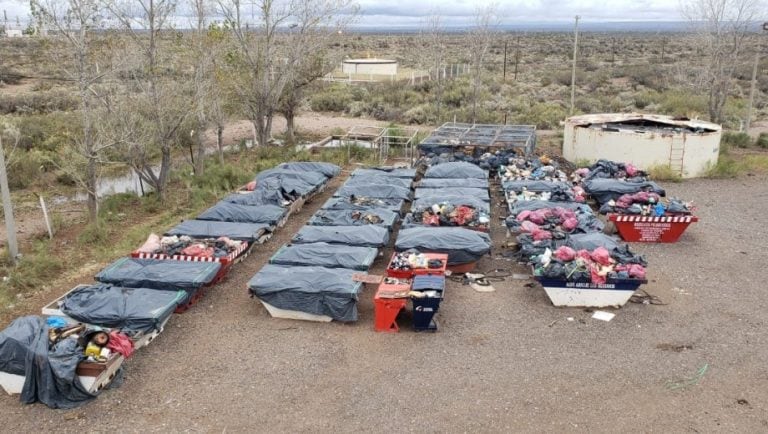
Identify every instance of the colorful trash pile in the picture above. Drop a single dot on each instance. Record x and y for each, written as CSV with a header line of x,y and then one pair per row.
x,y
312,277
76,349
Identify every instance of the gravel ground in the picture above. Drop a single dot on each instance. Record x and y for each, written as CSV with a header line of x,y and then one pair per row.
x,y
502,361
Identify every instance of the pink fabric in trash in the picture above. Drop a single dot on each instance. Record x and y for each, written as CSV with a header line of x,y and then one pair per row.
x,y
540,215
151,245
584,254
630,169
540,234
120,343
601,256
529,227
593,272
251,186
523,215
570,224
637,271
582,172
565,253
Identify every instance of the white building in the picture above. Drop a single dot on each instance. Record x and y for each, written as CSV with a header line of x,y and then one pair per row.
x,y
688,147
13,33
369,66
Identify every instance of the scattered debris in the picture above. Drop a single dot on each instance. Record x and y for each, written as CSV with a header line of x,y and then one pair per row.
x,y
681,384
673,347
603,315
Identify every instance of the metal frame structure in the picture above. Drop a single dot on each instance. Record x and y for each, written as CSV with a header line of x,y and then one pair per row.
x,y
490,136
382,139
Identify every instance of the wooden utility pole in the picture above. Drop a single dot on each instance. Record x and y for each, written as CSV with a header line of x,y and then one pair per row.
x,y
573,69
505,61
10,223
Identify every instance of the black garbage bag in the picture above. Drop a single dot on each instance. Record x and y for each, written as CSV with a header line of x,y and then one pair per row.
x,y
50,373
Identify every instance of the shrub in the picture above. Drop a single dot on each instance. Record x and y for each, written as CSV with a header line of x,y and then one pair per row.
x,y
762,140
662,172
739,140
334,99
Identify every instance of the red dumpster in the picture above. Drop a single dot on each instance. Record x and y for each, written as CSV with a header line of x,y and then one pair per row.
x,y
648,229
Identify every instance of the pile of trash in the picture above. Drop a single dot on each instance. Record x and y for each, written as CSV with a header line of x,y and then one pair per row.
x,y
549,223
596,266
184,245
646,204
557,193
609,169
487,161
540,169
413,260
446,214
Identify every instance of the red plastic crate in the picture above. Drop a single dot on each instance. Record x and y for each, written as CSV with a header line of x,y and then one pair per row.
x,y
407,274
647,229
386,309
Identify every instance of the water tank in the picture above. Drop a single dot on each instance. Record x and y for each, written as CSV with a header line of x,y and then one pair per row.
x,y
688,147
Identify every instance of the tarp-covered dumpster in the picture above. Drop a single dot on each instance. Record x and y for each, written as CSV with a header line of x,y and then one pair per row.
x,y
399,172
312,178
50,372
371,216
230,212
260,196
374,190
448,197
361,203
480,193
453,182
251,232
132,310
378,180
457,169
606,189
159,274
463,246
326,255
314,290
366,236
328,169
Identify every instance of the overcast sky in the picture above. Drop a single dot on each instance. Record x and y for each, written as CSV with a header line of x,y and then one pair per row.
x,y
460,12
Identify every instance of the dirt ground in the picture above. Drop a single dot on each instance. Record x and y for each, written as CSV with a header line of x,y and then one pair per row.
x,y
501,361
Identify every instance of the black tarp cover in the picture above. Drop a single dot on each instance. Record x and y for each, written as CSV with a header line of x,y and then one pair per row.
x,y
288,186
480,193
366,236
260,196
375,190
532,205
315,290
132,310
399,172
167,275
231,212
210,229
462,245
395,205
50,374
606,189
456,169
453,182
328,169
312,178
326,255
374,180
348,217
425,202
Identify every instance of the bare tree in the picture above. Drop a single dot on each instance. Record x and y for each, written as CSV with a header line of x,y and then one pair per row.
x,y
435,39
723,27
203,80
74,21
155,103
271,52
307,72
480,38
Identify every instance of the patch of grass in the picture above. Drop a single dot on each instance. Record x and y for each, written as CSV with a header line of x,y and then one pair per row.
x,y
662,172
94,234
34,270
582,162
739,140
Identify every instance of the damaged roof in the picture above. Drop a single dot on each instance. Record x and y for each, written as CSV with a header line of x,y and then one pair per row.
x,y
641,122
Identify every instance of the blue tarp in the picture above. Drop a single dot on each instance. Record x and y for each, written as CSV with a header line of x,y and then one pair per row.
x,y
326,255
367,236
456,169
348,217
480,193
231,212
462,245
166,275
328,169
